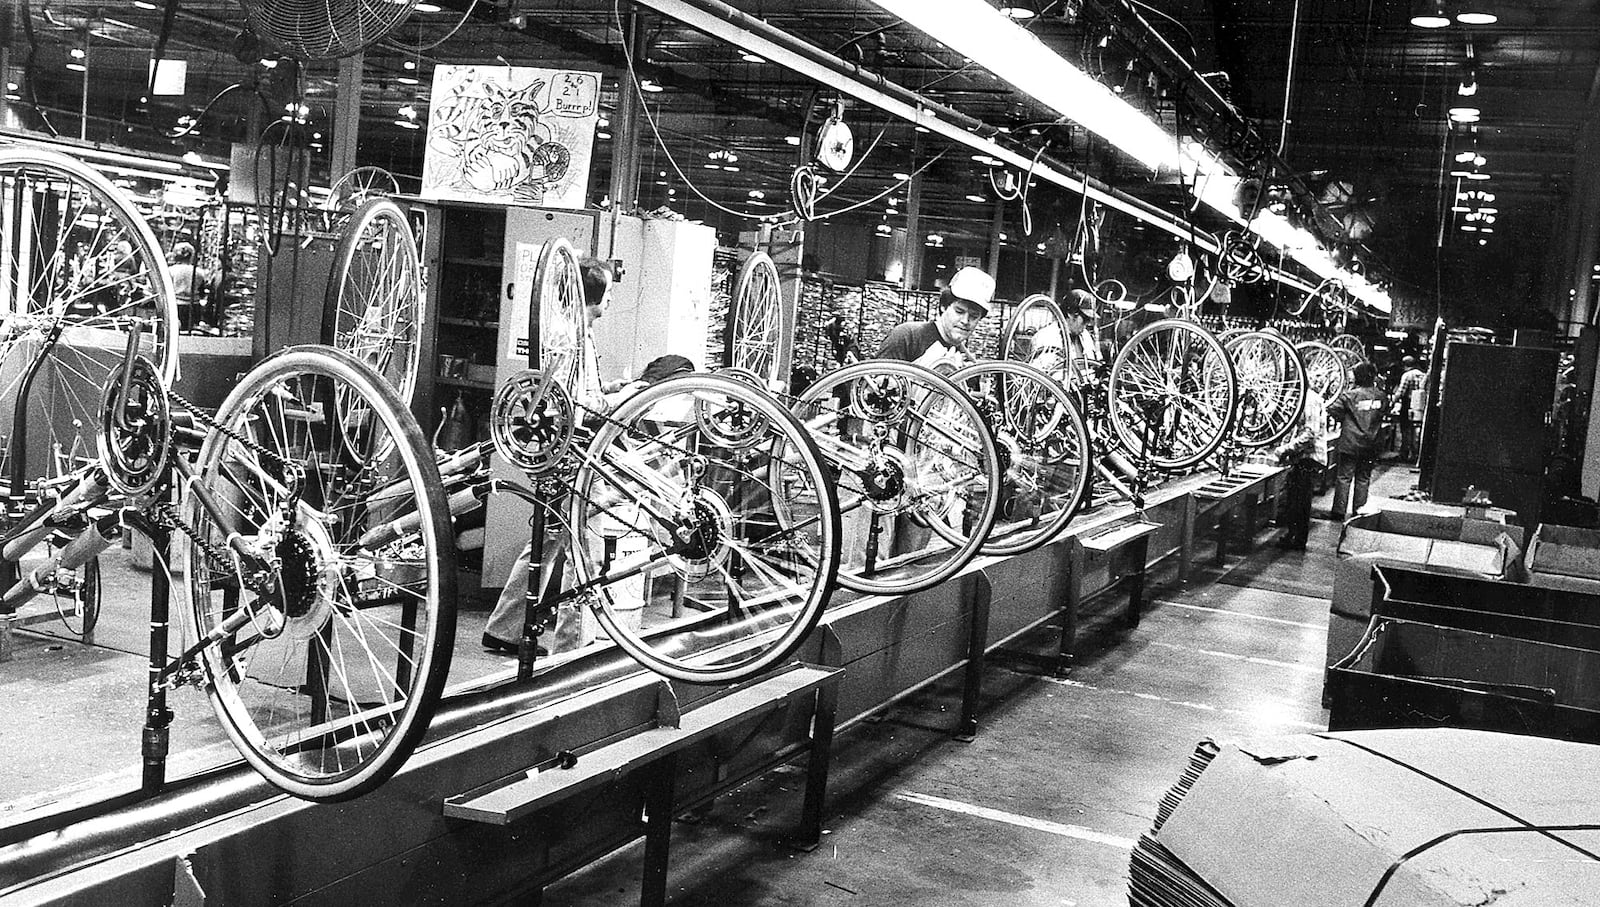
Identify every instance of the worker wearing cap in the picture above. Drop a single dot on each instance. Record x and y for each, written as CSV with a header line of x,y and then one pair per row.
x,y
1077,356
943,341
1408,406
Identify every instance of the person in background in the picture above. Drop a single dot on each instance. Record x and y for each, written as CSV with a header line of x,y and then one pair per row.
x,y
193,287
1408,406
1079,356
942,342
1359,412
598,397
1305,452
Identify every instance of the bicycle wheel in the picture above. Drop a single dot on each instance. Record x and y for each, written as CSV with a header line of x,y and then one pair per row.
x,y
1272,386
333,645
1350,349
1044,452
82,276
1325,371
1035,334
706,524
374,305
755,333
558,292
1172,392
918,473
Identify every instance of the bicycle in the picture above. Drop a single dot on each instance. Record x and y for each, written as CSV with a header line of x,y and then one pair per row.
x,y
306,510
701,482
928,474
1166,401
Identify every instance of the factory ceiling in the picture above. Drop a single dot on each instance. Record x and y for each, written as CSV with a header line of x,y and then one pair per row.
x,y
1363,147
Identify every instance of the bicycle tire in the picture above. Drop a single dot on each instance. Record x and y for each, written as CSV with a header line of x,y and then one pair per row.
x,y
761,521
1269,368
756,331
374,307
355,587
839,434
1177,443
1325,371
1049,462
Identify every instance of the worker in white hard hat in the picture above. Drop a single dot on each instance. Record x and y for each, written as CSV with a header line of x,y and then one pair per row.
x,y
963,303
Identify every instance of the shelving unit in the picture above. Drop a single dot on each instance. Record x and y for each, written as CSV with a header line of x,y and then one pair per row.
x,y
463,251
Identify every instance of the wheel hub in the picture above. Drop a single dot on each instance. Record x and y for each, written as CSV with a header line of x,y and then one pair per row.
x,y
704,528
885,479
309,573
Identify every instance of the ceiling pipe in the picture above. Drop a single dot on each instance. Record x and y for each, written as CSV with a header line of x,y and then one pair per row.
x,y
725,23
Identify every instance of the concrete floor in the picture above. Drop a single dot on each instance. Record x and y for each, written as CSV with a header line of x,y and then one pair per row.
x,y
1042,809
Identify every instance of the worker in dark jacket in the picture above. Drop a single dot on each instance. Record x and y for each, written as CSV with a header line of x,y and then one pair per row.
x,y
1359,412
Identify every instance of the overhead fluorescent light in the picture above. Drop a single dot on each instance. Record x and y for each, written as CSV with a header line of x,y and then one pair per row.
x,y
1471,18
170,77
980,31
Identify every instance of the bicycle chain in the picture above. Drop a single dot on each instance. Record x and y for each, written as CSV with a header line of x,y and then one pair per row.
x,y
163,514
292,473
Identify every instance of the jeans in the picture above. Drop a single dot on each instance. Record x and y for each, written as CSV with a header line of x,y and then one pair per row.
x,y
1354,470
1297,501
1408,439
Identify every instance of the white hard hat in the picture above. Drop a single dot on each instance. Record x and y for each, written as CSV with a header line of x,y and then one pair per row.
x,y
972,285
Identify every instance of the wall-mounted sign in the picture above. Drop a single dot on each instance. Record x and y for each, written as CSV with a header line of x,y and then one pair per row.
x,y
511,134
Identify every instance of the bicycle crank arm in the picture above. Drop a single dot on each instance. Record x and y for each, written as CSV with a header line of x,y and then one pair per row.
x,y
90,490
81,550
1114,480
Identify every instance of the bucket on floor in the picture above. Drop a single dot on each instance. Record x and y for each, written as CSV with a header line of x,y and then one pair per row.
x,y
628,596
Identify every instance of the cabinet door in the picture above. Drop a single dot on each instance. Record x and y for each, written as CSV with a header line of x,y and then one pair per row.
x,y
506,522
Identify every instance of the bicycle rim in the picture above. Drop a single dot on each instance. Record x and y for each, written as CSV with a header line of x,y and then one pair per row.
x,y
374,304
1048,458
702,568
329,685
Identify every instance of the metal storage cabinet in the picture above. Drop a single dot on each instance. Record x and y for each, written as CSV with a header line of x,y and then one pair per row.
x,y
1494,425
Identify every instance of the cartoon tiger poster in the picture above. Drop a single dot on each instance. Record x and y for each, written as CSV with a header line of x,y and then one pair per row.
x,y
511,134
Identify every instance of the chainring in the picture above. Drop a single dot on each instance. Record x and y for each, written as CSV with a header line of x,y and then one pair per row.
x,y
533,430
136,438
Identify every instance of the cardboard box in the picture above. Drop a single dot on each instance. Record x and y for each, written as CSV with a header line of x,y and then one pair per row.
x,y
1565,557
1409,674
1382,817
1435,537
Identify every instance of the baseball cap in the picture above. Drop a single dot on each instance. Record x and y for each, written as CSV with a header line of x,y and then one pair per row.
x,y
663,367
972,285
1081,301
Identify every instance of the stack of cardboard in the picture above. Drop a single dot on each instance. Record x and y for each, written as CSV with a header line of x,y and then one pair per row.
x,y
1429,818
